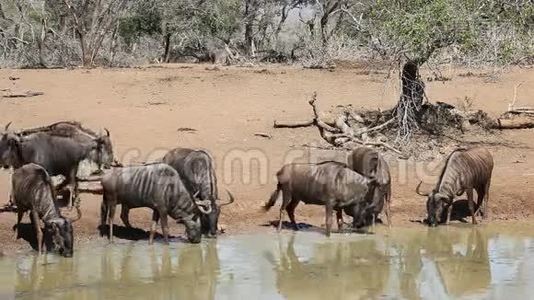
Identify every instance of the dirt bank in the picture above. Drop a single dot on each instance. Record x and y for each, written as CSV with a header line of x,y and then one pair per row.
x,y
144,109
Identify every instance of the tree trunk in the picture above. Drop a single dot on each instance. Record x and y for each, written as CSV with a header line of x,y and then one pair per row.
x,y
282,21
250,14
167,45
86,58
41,44
408,108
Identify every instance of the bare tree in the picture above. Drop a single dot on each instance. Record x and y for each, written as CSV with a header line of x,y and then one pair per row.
x,y
93,21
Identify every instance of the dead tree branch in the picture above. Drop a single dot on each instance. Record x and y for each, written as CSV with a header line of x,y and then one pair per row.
x,y
297,124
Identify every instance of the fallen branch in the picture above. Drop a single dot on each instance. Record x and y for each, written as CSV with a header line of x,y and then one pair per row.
x,y
293,124
342,133
379,127
23,95
262,134
383,145
186,129
514,99
341,124
8,208
316,119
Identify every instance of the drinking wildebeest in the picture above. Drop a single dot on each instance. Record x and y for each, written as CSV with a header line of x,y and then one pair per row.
x,y
465,170
198,174
59,155
157,186
331,184
33,191
368,162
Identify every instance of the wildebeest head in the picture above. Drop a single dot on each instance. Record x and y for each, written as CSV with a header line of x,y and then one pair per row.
x,y
363,210
61,233
210,221
192,225
9,143
435,205
104,150
192,229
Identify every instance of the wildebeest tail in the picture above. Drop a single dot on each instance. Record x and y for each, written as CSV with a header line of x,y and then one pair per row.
x,y
47,180
274,197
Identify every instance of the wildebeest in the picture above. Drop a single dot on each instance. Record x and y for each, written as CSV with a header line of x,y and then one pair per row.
x,y
157,186
57,153
33,191
368,162
331,184
198,174
465,170
75,130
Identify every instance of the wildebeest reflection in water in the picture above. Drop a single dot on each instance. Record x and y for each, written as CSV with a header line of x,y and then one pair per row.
x,y
410,263
451,263
459,259
337,270
123,271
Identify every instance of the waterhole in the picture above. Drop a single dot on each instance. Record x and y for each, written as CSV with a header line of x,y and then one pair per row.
x,y
481,262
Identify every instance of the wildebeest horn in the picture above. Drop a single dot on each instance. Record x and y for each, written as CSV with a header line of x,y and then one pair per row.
x,y
7,126
79,215
231,197
107,131
201,204
418,192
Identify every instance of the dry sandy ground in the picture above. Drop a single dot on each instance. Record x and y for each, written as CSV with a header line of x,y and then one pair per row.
x,y
145,107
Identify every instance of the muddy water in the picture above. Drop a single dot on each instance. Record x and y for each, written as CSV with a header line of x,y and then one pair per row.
x,y
411,263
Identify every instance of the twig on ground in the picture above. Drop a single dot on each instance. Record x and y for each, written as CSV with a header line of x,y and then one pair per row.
x,y
262,134
23,95
514,99
186,129
278,124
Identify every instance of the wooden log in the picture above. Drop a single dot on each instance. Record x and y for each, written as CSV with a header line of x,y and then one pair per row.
x,y
94,188
516,122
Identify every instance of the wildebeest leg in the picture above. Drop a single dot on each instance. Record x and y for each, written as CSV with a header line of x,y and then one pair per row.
x,y
155,218
38,232
75,195
111,216
9,198
286,198
471,203
72,185
124,215
20,214
164,226
481,194
329,210
104,211
388,207
339,219
448,211
290,209
485,212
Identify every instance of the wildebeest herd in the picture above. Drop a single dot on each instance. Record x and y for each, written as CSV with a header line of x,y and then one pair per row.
x,y
183,185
